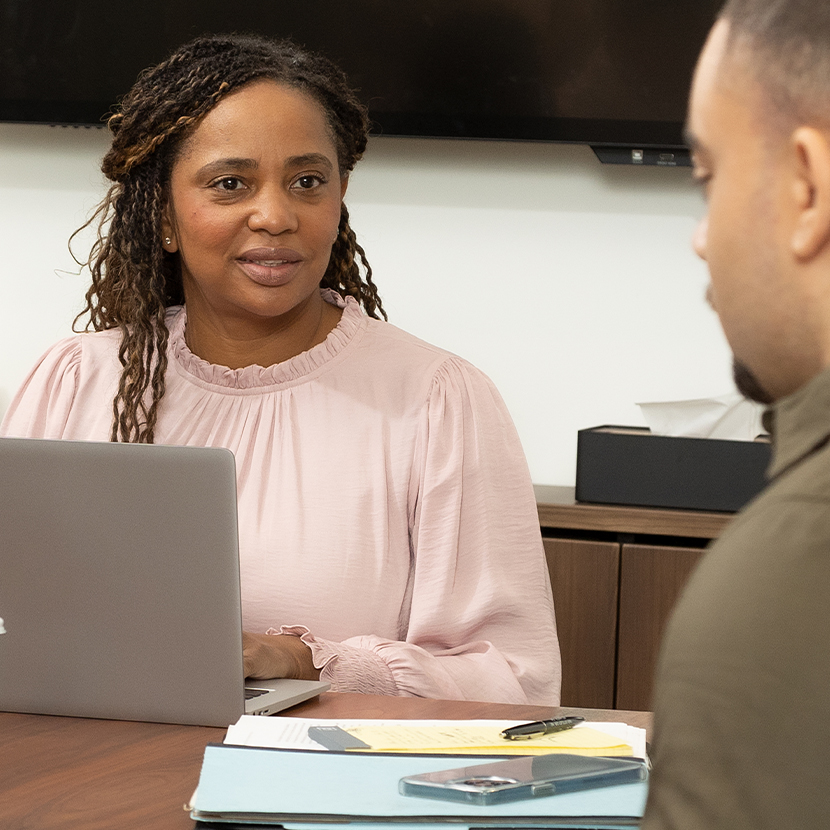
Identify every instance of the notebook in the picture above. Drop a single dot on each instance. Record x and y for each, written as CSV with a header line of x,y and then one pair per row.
x,y
308,790
119,585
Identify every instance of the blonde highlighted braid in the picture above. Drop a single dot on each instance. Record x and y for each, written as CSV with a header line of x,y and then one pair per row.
x,y
134,280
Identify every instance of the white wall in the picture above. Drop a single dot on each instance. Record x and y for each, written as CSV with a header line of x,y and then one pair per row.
x,y
572,284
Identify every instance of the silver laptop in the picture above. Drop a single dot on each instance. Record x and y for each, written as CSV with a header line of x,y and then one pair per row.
x,y
119,585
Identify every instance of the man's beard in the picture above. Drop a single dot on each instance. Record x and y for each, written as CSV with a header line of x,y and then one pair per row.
x,y
748,385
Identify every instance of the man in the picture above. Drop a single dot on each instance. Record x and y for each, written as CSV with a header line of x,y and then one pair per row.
x,y
742,698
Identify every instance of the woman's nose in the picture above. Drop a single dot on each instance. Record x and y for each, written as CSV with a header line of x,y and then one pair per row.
x,y
272,211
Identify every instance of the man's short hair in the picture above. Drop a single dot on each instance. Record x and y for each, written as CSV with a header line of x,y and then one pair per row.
x,y
785,45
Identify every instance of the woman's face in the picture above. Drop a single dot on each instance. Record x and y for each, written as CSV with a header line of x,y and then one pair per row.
x,y
254,208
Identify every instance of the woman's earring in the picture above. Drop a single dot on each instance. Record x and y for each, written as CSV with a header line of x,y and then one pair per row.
x,y
167,240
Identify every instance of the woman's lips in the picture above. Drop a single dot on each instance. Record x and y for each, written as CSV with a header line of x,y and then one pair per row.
x,y
270,266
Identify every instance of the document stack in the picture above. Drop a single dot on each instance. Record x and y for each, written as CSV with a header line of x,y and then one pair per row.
x,y
306,787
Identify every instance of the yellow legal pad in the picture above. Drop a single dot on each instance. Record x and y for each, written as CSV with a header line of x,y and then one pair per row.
x,y
481,740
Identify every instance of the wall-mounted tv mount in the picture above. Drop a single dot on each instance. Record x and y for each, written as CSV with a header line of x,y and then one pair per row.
x,y
651,156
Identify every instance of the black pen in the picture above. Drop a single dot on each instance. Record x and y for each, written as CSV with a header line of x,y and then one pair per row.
x,y
540,727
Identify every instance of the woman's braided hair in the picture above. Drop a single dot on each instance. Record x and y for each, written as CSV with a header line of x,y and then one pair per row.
x,y
134,280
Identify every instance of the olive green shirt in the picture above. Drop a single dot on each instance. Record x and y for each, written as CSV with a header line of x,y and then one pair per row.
x,y
742,694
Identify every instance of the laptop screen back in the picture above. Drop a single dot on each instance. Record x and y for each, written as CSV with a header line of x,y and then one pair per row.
x,y
119,582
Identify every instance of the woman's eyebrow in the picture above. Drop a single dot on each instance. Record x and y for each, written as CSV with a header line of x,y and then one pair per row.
x,y
233,163
310,159
236,163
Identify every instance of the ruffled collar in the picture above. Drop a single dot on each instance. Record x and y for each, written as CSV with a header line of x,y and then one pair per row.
x,y
294,370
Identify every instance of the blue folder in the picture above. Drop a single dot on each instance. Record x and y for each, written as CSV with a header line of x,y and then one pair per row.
x,y
307,790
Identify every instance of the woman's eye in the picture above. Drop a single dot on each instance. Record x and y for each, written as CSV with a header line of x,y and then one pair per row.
x,y
308,182
227,184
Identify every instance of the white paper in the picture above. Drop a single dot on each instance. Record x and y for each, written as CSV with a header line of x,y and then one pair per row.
x,y
292,733
730,417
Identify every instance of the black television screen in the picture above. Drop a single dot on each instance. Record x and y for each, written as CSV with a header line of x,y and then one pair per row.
x,y
599,72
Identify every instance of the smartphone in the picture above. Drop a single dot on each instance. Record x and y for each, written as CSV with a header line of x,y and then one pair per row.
x,y
524,777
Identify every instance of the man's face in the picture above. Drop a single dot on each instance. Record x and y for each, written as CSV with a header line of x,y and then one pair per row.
x,y
744,166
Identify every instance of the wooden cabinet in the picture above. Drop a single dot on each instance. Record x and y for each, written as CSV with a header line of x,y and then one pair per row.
x,y
651,579
585,578
616,573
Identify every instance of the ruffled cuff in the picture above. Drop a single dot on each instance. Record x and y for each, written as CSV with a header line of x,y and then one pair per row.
x,y
347,668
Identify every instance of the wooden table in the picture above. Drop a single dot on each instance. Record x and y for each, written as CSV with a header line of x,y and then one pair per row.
x,y
80,774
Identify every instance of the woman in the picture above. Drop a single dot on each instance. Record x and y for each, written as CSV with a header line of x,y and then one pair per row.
x,y
388,534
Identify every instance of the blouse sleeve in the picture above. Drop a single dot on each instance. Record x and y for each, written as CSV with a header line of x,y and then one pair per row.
x,y
41,407
480,623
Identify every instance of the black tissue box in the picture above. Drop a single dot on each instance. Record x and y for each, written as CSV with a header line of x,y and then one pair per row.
x,y
630,465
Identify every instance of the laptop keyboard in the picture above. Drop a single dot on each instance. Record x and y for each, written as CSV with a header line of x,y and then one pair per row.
x,y
252,692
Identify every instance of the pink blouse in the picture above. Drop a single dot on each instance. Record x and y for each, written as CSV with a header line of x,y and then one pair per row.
x,y
385,507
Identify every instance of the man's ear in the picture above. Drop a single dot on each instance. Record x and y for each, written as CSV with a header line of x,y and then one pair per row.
x,y
811,188
169,240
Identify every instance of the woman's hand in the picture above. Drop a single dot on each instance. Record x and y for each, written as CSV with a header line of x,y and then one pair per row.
x,y
277,655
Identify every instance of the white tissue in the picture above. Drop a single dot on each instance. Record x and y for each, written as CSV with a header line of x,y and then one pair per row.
x,y
731,417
